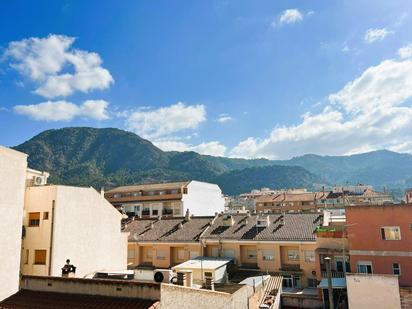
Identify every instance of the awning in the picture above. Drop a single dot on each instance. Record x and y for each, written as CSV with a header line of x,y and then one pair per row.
x,y
337,283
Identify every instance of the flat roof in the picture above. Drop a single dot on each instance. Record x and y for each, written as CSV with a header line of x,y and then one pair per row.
x,y
204,262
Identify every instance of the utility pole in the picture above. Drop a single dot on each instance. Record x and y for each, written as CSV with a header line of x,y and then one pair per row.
x,y
330,288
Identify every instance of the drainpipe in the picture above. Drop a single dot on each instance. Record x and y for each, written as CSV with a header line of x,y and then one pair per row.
x,y
330,288
51,236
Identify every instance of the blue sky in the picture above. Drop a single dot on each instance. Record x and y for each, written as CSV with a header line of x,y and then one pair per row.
x,y
237,78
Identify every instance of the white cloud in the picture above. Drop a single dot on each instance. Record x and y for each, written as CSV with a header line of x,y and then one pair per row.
x,y
156,123
376,34
213,148
224,118
64,111
387,84
290,16
45,62
371,112
405,52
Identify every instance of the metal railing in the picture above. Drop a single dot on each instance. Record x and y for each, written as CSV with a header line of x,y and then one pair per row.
x,y
335,274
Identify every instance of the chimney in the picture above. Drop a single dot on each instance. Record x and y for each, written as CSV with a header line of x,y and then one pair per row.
x,y
187,215
102,191
185,278
68,270
209,284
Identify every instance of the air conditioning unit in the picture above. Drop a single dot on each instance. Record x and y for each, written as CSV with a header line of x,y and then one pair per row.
x,y
39,181
163,275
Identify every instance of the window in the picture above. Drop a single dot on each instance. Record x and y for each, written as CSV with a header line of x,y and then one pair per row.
x,y
312,282
40,257
251,254
149,254
155,212
310,256
215,252
46,215
26,258
184,190
391,233
160,255
293,255
267,255
230,253
365,267
396,267
34,219
193,254
130,253
181,254
117,195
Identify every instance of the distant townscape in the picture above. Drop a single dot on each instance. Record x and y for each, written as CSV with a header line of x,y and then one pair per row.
x,y
172,244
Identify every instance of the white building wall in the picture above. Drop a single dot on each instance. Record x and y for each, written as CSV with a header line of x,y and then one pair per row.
x,y
13,165
373,291
203,199
87,231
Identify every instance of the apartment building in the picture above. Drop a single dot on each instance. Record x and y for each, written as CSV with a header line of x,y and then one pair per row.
x,y
289,201
167,199
165,242
380,240
354,195
63,222
282,244
13,165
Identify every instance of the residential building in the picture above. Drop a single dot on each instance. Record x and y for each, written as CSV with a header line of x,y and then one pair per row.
x,y
380,240
282,244
165,242
63,222
167,199
240,205
354,195
289,201
13,166
267,191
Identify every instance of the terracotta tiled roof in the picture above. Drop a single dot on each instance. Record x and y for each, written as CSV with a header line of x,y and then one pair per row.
x,y
26,299
167,229
151,186
293,227
288,197
287,227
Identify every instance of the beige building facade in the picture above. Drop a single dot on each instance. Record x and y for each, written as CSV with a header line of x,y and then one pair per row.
x,y
13,166
63,222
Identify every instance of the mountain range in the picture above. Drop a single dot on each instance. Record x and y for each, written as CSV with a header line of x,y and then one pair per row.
x,y
110,157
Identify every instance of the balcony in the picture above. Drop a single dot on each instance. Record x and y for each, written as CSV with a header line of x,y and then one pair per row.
x,y
290,268
335,274
142,198
327,232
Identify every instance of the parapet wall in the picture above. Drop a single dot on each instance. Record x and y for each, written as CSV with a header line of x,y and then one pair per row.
x,y
103,287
